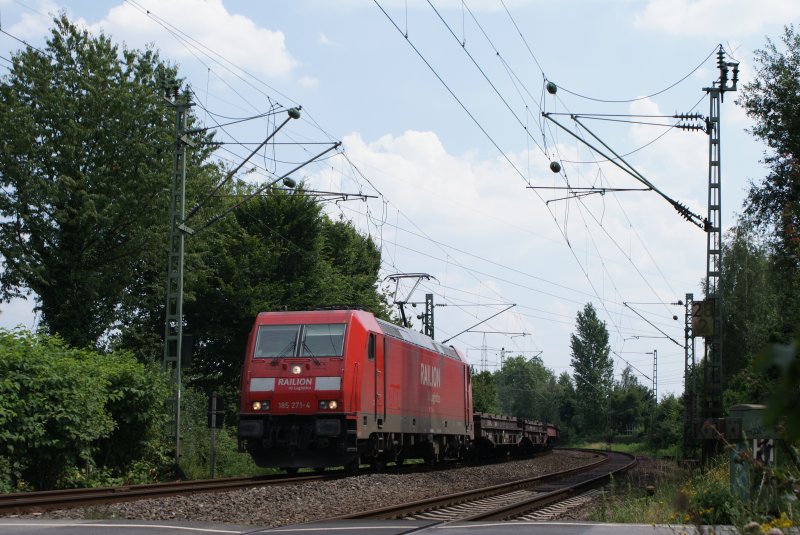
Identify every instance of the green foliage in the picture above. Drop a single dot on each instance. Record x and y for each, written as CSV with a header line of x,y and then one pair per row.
x,y
628,502
594,369
279,252
567,408
196,443
527,389
630,404
772,100
751,315
484,392
667,428
708,497
783,402
60,408
85,143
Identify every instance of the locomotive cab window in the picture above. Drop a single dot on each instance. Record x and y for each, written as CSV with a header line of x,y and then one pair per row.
x,y
371,346
275,341
326,340
278,341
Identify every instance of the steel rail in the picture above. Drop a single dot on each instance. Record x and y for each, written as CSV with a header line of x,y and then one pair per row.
x,y
618,463
27,502
411,508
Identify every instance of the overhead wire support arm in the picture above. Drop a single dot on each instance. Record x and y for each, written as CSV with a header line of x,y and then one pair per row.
x,y
479,323
578,192
263,188
630,170
653,325
680,208
294,113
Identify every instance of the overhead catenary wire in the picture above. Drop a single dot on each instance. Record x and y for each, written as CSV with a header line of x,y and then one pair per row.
x,y
343,152
494,87
651,95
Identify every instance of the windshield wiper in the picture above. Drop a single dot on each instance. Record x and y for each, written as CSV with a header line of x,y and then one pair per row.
x,y
311,353
289,349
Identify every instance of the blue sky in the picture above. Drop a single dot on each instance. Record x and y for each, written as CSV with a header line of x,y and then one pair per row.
x,y
451,167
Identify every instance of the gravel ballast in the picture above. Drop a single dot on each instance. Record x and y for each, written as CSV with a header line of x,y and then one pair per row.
x,y
273,506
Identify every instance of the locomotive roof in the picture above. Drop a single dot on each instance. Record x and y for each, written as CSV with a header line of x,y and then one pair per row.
x,y
401,333
413,337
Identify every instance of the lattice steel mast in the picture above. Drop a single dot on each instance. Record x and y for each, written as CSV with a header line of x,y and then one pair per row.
x,y
713,347
173,324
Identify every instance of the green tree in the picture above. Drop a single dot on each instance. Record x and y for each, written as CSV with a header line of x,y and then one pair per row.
x,y
527,389
279,252
630,404
85,164
567,406
772,99
593,369
667,427
484,392
750,298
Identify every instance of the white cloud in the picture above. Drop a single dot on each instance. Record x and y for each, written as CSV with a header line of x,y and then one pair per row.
x,y
35,24
715,18
510,248
308,81
234,37
323,40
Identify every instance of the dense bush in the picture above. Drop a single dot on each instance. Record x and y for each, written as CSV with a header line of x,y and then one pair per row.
x,y
709,499
72,417
196,440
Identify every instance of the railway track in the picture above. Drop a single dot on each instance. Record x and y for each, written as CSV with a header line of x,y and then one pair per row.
x,y
516,500
35,502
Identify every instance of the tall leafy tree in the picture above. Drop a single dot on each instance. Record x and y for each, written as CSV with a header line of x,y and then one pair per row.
x,y
772,99
751,314
526,388
484,392
567,406
593,368
85,172
630,404
279,252
667,427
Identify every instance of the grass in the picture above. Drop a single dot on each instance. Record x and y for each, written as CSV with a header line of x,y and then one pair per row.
x,y
628,501
684,497
634,448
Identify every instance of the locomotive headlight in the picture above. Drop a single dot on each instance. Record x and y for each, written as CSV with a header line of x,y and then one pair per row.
x,y
332,404
296,369
260,405
328,405
323,404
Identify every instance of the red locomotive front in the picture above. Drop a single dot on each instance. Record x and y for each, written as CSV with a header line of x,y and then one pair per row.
x,y
338,387
293,411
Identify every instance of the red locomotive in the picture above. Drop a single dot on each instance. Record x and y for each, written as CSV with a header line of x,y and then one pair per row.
x,y
341,387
